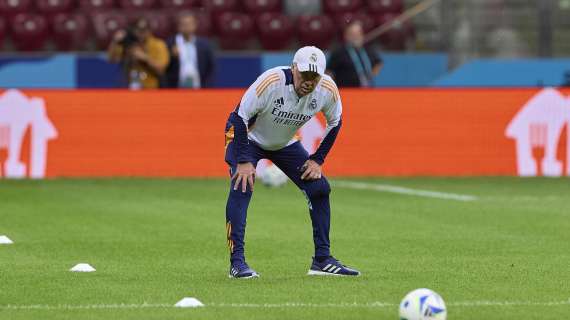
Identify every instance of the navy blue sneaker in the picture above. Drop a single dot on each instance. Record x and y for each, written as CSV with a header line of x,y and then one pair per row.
x,y
240,270
331,267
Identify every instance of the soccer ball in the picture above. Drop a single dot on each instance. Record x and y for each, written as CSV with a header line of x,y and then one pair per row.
x,y
273,177
422,304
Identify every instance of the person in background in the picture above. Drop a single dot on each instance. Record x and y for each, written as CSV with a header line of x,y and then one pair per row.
x,y
566,82
191,57
353,64
144,57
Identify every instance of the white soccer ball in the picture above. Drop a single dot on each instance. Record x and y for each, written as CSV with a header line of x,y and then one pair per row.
x,y
422,304
273,177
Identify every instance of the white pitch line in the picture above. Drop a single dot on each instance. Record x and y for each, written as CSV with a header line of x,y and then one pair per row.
x,y
403,190
376,304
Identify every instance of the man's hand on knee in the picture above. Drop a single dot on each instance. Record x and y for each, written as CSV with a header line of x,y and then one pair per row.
x,y
244,175
311,170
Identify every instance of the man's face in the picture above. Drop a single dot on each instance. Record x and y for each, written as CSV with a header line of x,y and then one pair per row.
x,y
187,25
142,31
354,35
305,82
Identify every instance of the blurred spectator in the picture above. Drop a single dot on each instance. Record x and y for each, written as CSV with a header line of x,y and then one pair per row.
x,y
143,56
566,82
353,64
191,57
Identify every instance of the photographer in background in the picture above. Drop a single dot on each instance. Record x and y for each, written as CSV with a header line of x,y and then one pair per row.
x,y
143,57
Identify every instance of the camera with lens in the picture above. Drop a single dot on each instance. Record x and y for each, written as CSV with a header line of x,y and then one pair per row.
x,y
130,39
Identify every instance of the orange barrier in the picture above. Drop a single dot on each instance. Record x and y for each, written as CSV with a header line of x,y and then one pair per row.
x,y
441,132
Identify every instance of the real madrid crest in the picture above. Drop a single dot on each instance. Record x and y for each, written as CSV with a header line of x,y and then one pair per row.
x,y
313,57
313,104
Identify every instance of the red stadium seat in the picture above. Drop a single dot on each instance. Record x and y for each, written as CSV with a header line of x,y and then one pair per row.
x,y
275,30
2,32
344,19
179,4
339,6
261,6
9,8
395,38
219,6
96,5
29,31
105,24
159,22
137,4
70,31
235,30
386,6
316,30
52,7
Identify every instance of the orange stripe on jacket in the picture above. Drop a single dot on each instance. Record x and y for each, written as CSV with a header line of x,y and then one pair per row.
x,y
332,88
265,83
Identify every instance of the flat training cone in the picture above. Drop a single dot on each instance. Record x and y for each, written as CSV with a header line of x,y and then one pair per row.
x,y
82,267
5,240
189,302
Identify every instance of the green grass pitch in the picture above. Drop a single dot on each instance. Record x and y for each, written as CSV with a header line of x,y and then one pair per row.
x,y
505,255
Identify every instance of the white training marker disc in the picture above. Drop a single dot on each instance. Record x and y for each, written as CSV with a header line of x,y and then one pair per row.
x,y
82,267
5,240
189,303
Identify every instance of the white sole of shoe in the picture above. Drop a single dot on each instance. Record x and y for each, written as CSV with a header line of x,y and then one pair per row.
x,y
256,275
322,273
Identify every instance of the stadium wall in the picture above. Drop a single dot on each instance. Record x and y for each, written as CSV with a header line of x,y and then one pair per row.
x,y
390,132
68,71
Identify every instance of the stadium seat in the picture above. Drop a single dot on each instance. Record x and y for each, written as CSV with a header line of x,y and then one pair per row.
x,y
91,5
2,32
386,6
29,31
10,8
344,19
235,30
316,30
261,6
220,6
160,23
339,6
275,30
179,4
69,31
136,4
53,7
105,24
395,38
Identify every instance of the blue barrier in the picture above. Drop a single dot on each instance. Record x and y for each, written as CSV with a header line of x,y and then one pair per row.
x,y
507,73
239,70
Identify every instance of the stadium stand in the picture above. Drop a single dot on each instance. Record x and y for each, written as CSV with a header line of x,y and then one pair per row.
x,y
261,6
385,6
29,31
235,30
275,30
273,24
69,31
179,4
105,24
136,4
95,5
341,6
2,32
10,8
316,30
